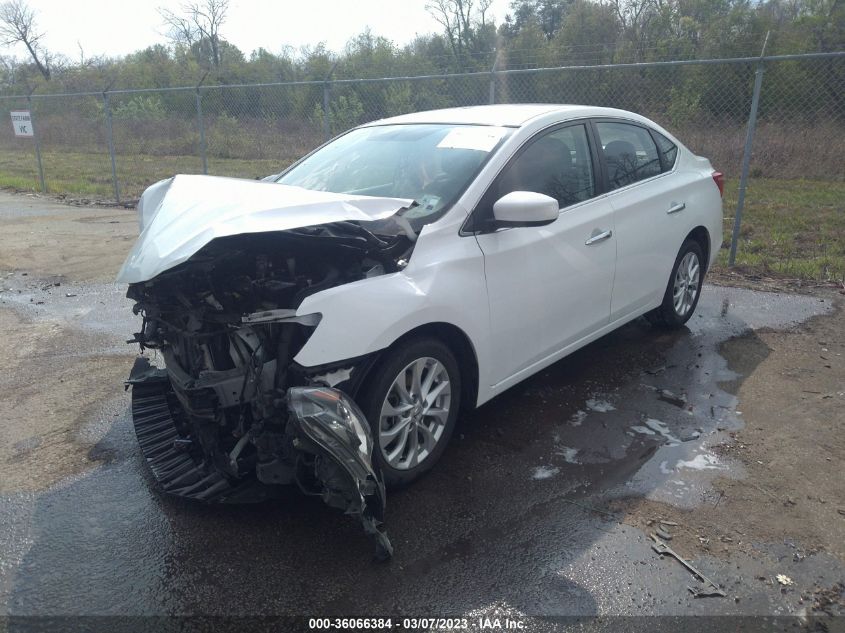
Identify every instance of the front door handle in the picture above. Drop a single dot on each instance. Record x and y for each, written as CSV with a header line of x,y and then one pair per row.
x,y
598,237
677,206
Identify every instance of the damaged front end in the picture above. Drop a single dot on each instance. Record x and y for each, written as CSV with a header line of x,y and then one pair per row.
x,y
231,417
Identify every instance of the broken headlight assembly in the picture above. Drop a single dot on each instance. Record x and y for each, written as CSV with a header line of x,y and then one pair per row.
x,y
335,440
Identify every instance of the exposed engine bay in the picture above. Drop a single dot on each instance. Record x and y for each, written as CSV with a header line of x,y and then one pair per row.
x,y
231,416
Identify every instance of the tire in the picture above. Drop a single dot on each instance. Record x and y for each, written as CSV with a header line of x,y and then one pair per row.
x,y
428,435
677,309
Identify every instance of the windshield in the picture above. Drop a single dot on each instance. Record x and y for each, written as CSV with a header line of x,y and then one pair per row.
x,y
431,164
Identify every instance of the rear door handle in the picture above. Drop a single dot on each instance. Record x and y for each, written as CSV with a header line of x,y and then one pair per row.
x,y
598,237
677,206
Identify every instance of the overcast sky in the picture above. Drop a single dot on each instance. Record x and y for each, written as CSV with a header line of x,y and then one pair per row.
x,y
114,28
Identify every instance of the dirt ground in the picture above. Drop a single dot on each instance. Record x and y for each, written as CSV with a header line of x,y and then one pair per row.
x,y
792,449
53,402
48,239
53,377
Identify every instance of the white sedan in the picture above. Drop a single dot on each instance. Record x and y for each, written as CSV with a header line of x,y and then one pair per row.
x,y
346,309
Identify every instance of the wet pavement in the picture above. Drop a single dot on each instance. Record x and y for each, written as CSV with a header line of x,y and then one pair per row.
x,y
511,521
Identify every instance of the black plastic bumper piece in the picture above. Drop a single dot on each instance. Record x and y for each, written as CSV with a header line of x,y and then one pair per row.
x,y
327,424
175,469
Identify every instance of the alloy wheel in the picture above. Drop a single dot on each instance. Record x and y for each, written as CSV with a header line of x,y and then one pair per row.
x,y
687,279
414,413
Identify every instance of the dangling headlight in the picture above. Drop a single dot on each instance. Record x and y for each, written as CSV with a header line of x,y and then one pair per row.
x,y
333,412
327,423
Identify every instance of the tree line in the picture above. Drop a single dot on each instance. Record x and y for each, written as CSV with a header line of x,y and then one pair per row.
x,y
534,33
801,115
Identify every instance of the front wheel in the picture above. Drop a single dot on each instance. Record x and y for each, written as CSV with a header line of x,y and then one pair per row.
x,y
683,290
411,402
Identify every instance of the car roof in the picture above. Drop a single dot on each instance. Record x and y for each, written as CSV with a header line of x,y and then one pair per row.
x,y
511,115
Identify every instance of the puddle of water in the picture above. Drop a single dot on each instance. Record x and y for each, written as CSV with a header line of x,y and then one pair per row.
x,y
578,418
544,472
644,430
599,406
704,461
661,429
667,396
569,454
680,405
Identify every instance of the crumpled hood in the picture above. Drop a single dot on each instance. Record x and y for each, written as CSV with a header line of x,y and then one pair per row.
x,y
182,214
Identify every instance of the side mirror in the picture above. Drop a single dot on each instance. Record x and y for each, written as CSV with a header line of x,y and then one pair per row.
x,y
525,208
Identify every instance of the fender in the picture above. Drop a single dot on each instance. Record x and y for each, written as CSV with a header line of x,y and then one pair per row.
x,y
443,283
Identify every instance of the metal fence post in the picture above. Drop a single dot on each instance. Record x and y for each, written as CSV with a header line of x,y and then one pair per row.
x,y
746,155
37,142
201,127
492,99
327,131
110,134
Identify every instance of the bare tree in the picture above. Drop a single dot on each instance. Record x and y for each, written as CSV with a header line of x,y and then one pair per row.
x,y
458,19
442,11
483,8
636,17
198,24
17,26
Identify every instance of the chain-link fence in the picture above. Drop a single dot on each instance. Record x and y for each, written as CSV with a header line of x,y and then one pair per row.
x,y
790,109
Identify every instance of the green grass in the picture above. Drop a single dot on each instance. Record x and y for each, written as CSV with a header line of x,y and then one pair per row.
x,y
88,175
794,228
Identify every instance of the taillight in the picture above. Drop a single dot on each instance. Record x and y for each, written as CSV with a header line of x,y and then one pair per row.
x,y
719,179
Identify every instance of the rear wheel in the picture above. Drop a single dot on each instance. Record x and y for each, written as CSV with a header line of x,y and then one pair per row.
x,y
411,402
683,290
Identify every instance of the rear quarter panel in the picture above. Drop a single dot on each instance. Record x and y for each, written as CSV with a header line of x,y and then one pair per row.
x,y
705,202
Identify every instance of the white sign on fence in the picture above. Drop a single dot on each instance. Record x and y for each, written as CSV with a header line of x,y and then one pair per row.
x,y
22,122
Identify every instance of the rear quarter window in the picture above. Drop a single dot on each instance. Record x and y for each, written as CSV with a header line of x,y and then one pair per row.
x,y
667,149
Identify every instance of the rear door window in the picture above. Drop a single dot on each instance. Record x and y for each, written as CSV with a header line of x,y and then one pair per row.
x,y
630,153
